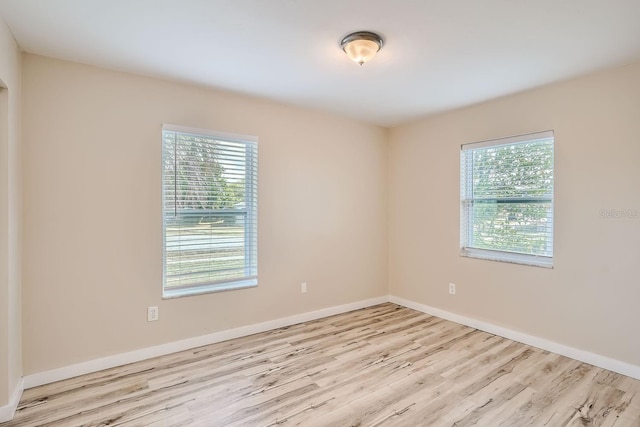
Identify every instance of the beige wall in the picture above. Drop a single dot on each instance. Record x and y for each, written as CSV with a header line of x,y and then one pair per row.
x,y
590,299
331,191
92,220
10,216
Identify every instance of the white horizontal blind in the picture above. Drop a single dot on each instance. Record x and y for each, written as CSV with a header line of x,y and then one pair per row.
x,y
507,199
209,203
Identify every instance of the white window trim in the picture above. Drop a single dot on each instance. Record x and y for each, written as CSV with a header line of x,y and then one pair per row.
x,y
248,282
510,257
217,287
497,255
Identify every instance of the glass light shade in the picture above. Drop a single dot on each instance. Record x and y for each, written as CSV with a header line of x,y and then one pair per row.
x,y
361,51
361,46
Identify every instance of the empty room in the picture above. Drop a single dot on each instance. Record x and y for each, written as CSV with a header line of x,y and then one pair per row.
x,y
319,213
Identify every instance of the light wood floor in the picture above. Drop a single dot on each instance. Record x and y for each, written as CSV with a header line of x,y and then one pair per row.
x,y
381,366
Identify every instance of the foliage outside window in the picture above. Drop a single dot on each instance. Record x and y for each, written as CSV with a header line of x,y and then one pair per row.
x,y
507,199
209,207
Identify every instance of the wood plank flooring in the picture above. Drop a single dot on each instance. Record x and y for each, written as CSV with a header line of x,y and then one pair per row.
x,y
380,366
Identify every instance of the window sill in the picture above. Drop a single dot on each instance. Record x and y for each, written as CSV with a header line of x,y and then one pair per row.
x,y
510,257
208,289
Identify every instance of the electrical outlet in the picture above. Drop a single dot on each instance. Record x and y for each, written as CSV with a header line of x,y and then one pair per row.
x,y
303,288
452,288
152,314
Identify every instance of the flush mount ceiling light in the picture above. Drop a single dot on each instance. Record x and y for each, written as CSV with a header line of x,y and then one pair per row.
x,y
361,46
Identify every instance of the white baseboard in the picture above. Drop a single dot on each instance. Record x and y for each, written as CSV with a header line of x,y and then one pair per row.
x,y
8,411
605,362
90,366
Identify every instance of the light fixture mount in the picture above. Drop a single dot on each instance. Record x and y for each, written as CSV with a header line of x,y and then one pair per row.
x,y
361,46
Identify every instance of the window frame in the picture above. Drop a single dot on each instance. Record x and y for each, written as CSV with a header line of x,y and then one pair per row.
x,y
251,216
467,200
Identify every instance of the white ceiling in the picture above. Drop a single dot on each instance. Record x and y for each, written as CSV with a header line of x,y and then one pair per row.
x,y
438,54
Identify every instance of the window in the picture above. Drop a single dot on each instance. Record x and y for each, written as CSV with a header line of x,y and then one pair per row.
x,y
506,199
209,210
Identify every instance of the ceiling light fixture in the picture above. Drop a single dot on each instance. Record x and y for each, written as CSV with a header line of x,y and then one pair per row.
x,y
361,46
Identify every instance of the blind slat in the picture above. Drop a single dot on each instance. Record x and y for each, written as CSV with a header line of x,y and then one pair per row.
x,y
507,196
209,209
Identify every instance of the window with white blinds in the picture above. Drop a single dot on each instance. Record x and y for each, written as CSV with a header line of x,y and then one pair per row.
x,y
506,199
209,210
